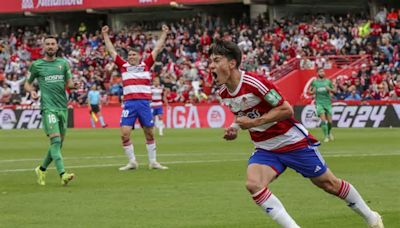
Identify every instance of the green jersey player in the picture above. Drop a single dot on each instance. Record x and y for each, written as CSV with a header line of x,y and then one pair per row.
x,y
52,75
322,89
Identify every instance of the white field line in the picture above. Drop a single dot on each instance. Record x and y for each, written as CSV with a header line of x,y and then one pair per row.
x,y
199,161
324,154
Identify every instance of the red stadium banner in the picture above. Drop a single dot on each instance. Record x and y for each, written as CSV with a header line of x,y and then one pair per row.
x,y
175,116
19,6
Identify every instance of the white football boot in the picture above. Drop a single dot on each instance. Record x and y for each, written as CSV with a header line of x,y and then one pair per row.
x,y
130,166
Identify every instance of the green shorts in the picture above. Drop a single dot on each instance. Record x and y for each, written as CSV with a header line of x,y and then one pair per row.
x,y
55,121
324,108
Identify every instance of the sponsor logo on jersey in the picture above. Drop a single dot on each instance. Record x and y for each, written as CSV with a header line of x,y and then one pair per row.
x,y
252,114
54,78
135,69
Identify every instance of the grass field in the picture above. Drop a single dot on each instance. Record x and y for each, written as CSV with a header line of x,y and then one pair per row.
x,y
204,186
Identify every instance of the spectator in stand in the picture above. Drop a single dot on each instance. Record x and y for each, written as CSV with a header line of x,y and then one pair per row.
x,y
381,93
341,92
15,83
306,63
354,96
266,46
395,94
5,94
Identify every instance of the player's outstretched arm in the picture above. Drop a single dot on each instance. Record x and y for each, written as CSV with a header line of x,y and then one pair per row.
x,y
109,46
161,41
278,113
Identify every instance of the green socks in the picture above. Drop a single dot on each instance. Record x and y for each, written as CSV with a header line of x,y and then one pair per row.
x,y
329,128
324,127
47,160
55,154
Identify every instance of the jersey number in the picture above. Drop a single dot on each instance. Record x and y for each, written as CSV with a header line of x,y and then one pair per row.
x,y
125,113
52,118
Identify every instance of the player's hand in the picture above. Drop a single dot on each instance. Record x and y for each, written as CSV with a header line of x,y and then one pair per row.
x,y
165,28
230,133
34,95
245,122
105,29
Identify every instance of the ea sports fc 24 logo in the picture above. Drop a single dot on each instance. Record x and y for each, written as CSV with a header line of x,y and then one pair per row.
x,y
35,4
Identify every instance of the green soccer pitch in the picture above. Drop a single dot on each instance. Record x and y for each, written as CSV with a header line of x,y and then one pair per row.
x,y
204,186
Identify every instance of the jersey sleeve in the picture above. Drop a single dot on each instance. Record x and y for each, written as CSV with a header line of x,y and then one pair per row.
x,y
68,74
330,84
119,61
268,92
149,61
32,73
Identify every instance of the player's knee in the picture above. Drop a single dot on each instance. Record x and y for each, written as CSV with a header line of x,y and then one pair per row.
x,y
254,186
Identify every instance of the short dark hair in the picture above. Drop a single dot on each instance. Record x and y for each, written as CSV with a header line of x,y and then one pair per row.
x,y
51,37
136,49
228,49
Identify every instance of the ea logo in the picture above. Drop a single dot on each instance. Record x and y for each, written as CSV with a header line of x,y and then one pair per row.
x,y
216,116
309,117
7,119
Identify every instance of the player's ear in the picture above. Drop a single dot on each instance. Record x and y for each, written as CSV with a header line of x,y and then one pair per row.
x,y
232,64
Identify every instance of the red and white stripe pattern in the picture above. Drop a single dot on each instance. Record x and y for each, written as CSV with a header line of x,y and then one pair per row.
x,y
344,189
261,196
136,80
256,83
157,95
249,100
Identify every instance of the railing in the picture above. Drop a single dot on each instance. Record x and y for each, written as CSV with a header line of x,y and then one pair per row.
x,y
285,69
364,59
339,61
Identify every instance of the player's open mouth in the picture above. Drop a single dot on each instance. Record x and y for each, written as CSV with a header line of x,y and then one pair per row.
x,y
214,75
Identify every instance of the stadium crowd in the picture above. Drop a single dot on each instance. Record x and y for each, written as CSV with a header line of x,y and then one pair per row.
x,y
182,65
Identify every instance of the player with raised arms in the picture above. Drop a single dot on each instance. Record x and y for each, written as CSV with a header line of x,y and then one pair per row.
x,y
136,79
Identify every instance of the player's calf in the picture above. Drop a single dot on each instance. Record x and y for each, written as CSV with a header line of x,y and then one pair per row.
x,y
349,194
274,208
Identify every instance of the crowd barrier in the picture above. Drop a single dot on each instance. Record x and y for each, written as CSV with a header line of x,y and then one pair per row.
x,y
344,115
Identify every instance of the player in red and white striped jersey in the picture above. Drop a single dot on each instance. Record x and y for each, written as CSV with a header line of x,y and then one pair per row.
x,y
280,140
156,105
136,79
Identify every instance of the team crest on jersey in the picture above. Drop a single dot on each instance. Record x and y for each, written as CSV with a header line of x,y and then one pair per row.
x,y
242,103
60,66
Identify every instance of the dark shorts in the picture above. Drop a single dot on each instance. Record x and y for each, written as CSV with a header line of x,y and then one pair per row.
x,y
95,108
307,161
